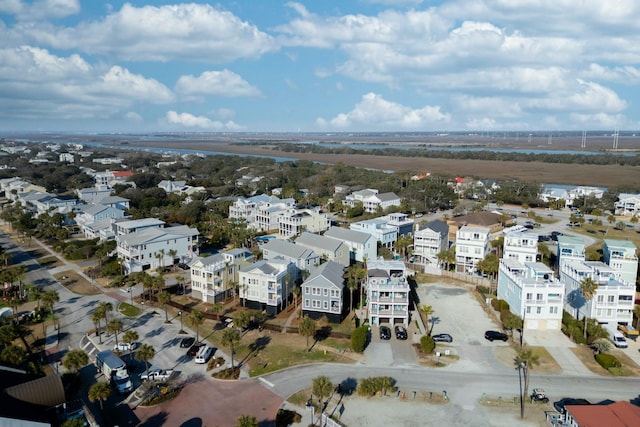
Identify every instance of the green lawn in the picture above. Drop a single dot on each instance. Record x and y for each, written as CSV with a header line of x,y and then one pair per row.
x,y
128,309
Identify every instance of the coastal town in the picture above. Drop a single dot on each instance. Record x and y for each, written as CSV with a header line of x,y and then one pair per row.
x,y
136,281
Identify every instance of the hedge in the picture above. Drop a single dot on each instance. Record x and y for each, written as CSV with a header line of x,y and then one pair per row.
x,y
608,361
499,304
359,339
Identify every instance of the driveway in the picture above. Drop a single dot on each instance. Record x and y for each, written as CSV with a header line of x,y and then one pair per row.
x,y
458,313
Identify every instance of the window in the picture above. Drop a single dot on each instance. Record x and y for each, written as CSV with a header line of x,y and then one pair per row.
x,y
553,310
325,305
528,310
539,297
610,299
529,296
306,290
600,299
538,310
306,303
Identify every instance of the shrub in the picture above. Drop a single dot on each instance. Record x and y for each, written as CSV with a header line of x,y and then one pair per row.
x,y
499,304
285,418
427,344
483,290
359,339
372,385
608,361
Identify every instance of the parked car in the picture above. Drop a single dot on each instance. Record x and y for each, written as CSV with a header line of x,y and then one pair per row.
x,y
183,266
385,333
187,342
125,346
539,395
157,375
495,335
401,332
560,404
193,350
442,338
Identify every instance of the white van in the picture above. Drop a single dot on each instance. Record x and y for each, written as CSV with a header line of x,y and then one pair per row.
x,y
615,336
203,354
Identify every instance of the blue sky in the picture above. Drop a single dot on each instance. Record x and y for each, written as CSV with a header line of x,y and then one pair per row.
x,y
325,66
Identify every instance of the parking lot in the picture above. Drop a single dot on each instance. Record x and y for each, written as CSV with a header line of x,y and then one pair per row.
x,y
457,312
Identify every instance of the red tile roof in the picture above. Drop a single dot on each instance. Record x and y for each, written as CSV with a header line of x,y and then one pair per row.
x,y
122,173
619,414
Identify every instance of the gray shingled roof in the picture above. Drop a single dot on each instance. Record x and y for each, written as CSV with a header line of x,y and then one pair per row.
x,y
157,234
386,197
346,234
331,271
288,249
318,241
439,227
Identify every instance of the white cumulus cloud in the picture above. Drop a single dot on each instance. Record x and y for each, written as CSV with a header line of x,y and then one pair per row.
x,y
216,83
187,120
39,10
376,112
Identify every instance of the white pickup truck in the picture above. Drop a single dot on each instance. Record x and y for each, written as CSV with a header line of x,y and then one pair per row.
x,y
158,375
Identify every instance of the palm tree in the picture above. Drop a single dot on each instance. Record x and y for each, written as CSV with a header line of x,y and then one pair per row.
x,y
144,354
96,317
164,297
180,281
526,359
601,345
195,320
129,337
75,359
322,387
246,421
588,287
352,285
172,254
307,328
636,312
428,311
230,337
296,293
114,326
13,355
104,308
36,294
100,391
49,299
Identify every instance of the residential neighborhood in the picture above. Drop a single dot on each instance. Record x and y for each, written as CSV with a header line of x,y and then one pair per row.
x,y
223,281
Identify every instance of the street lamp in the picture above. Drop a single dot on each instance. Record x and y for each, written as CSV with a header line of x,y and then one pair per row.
x,y
180,314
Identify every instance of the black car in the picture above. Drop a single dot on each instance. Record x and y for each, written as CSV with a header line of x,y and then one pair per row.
x,y
560,404
193,350
495,335
401,332
187,342
442,338
385,333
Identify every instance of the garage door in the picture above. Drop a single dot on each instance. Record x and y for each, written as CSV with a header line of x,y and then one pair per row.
x,y
553,324
532,324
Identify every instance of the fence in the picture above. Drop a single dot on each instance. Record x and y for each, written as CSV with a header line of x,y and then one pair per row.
x,y
475,280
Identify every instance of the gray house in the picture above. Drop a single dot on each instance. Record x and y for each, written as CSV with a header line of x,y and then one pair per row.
x,y
303,258
323,293
328,249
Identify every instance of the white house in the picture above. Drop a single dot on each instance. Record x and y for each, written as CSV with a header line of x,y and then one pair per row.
x,y
265,285
172,186
520,246
328,249
295,220
387,292
430,241
381,201
613,300
361,245
110,178
533,293
628,204
212,276
93,194
621,255
570,249
472,245
153,247
359,196
323,293
379,228
122,227
260,212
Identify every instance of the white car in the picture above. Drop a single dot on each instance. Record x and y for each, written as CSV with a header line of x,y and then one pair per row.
x,y
157,375
125,346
